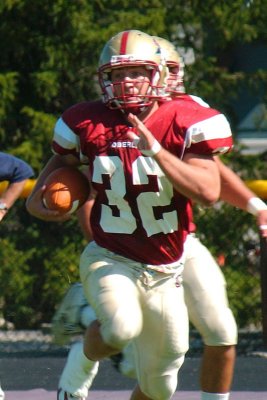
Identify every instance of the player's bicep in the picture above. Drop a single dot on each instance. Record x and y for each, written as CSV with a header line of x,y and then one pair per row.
x,y
200,160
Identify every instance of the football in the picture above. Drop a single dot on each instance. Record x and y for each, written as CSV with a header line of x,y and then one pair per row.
x,y
67,189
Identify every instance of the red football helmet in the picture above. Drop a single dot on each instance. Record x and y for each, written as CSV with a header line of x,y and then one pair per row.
x,y
131,49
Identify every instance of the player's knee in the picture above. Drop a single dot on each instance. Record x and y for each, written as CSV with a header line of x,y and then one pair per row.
x,y
122,331
159,390
162,386
120,339
222,332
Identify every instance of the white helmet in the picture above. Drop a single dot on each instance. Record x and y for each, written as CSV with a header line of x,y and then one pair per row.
x,y
130,49
175,65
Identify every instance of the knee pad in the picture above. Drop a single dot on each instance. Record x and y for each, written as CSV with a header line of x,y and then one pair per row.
x,y
118,332
220,330
162,385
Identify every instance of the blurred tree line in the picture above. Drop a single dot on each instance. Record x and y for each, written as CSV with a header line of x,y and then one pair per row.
x,y
49,53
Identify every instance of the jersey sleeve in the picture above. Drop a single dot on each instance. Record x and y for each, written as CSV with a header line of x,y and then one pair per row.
x,y
210,135
66,139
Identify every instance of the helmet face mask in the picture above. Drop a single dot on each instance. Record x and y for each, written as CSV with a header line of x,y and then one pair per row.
x,y
175,83
131,86
131,50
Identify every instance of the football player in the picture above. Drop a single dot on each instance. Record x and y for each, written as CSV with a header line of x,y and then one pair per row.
x,y
206,300
146,160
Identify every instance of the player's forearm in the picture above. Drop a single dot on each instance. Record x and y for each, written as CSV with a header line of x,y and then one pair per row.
x,y
12,193
236,194
233,189
196,177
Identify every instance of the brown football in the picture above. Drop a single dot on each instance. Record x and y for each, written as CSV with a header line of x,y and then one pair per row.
x,y
67,189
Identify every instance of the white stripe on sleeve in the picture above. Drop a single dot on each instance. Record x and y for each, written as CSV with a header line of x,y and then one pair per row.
x,y
65,137
216,127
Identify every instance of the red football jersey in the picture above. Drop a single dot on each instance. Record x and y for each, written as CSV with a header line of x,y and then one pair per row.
x,y
137,213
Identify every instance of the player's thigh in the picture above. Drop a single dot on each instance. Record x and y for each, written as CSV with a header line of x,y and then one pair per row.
x,y
109,286
160,348
201,274
206,296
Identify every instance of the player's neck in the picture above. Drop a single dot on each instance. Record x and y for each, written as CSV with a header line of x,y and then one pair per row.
x,y
144,115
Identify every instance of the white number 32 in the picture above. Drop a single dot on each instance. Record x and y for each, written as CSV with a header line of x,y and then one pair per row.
x,y
145,171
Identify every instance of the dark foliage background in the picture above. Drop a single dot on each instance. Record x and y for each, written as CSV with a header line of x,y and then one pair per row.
x,y
49,53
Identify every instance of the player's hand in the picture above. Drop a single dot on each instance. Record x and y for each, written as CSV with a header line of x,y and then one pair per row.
x,y
145,142
35,207
262,222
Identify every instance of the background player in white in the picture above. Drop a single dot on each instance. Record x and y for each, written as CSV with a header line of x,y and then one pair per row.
x,y
206,299
218,327
130,273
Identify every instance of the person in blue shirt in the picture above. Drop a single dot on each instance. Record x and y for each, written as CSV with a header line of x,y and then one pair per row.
x,y
16,172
